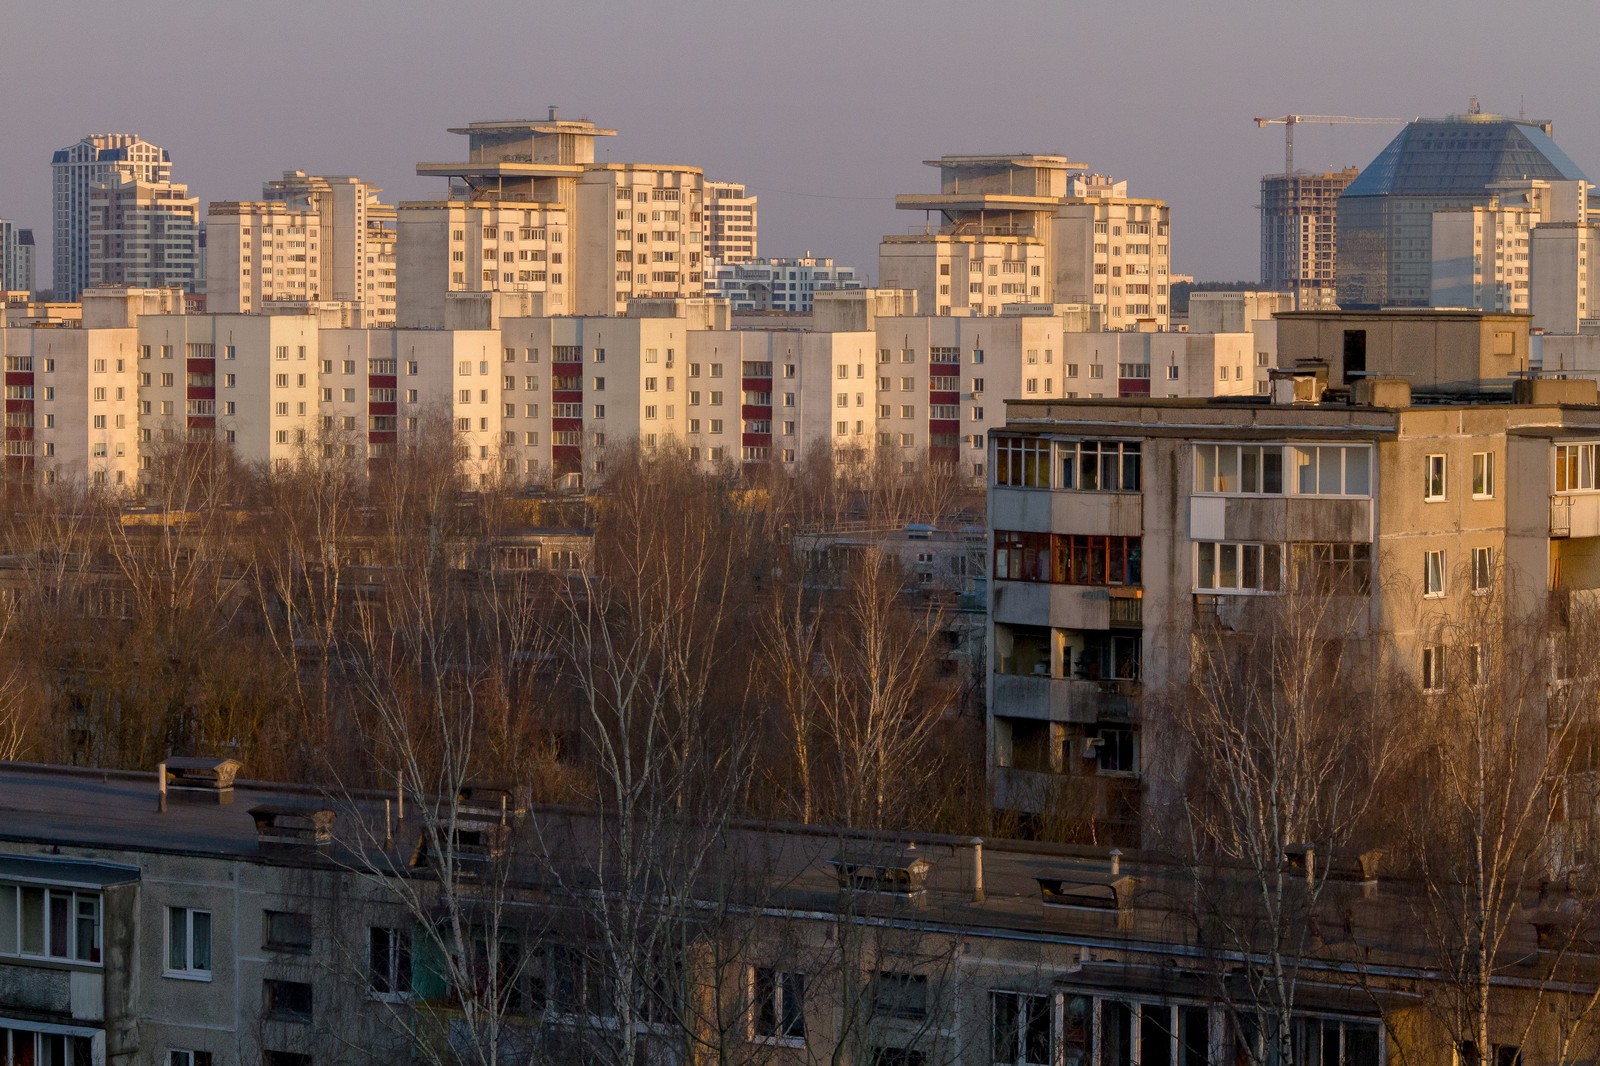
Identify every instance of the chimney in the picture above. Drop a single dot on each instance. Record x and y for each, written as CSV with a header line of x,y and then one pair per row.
x,y
293,826
199,780
552,113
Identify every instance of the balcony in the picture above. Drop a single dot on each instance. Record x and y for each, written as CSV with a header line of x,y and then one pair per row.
x,y
1109,514
1060,699
1075,802
1575,516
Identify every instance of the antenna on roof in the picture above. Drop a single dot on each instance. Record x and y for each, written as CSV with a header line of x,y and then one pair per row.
x,y
1522,108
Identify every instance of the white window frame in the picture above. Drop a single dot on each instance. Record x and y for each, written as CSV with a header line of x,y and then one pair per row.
x,y
782,981
190,968
1482,570
1433,667
1434,576
1483,475
1434,477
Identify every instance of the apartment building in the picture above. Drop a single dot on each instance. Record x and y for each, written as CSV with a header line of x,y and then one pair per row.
x,y
1033,229
358,237
639,233
16,258
447,247
795,391
1119,526
294,936
143,234
75,171
1481,254
1299,228
783,285
533,396
310,240
584,237
732,223
259,253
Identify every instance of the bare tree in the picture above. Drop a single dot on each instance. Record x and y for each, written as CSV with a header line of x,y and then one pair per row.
x,y
1507,695
1285,747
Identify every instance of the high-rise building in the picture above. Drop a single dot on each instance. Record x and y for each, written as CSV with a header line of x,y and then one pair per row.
x,y
1481,255
16,257
357,238
143,234
1298,226
75,171
1385,216
1027,229
310,239
731,223
260,253
531,212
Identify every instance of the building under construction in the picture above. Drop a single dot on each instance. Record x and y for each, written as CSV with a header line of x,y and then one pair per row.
x,y
1298,236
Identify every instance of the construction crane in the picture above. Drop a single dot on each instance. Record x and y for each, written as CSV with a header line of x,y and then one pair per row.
x,y
1289,122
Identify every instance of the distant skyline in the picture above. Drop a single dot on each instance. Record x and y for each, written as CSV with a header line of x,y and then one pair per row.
x,y
824,108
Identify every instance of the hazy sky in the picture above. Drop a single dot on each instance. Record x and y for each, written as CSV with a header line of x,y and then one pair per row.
x,y
825,108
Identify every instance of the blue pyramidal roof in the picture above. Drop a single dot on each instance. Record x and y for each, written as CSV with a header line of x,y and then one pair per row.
x,y
1460,155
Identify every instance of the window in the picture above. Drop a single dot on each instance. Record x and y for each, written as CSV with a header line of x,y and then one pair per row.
x,y
286,931
1070,559
1482,569
1575,465
1235,468
1433,573
1101,466
183,1057
1483,475
287,1000
389,961
1238,568
1332,569
1116,749
1433,668
778,1002
1021,1030
900,995
1434,478
49,923
1022,461
188,943
1330,471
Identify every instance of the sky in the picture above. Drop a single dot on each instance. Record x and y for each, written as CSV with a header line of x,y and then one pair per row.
x,y
824,108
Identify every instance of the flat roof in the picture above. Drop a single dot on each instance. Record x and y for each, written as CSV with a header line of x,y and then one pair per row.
x,y
497,170
1011,159
1409,312
526,125
982,201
